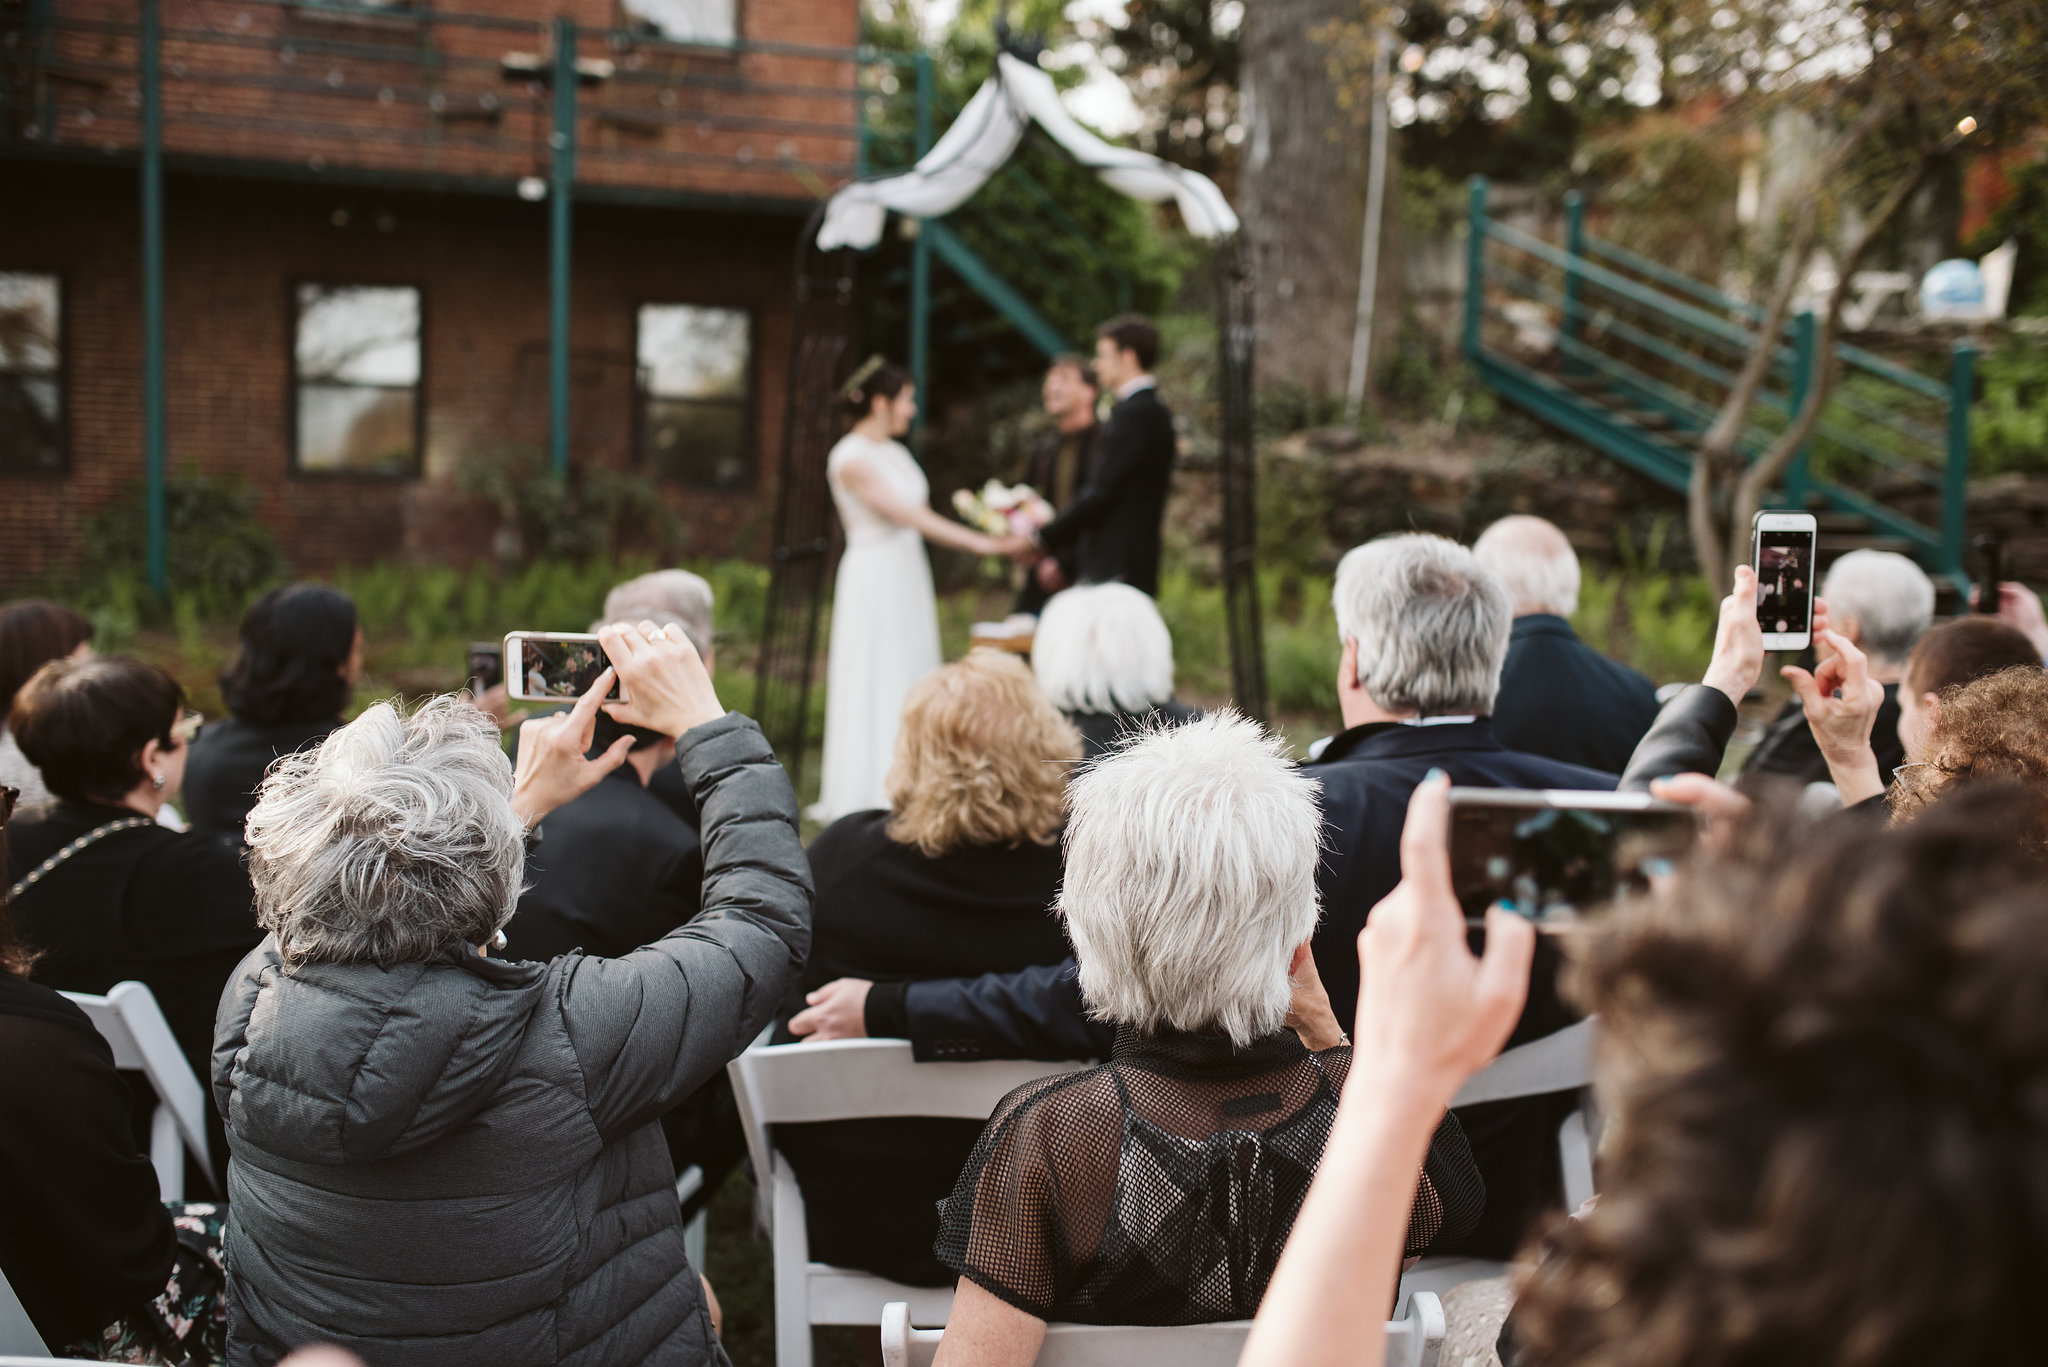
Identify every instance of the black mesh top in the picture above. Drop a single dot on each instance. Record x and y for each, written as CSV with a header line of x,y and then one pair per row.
x,y
1160,1187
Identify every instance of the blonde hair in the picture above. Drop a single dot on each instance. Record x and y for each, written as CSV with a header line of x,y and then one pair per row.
x,y
981,759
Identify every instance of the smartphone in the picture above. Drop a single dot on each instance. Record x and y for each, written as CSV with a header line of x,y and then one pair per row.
x,y
1990,572
485,665
553,666
1554,855
1781,552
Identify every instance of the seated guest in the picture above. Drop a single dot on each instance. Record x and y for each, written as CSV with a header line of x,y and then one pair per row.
x,y
683,601
1102,653
104,894
1881,602
1159,1187
1558,698
957,877
302,652
440,1157
1957,652
32,633
1824,1146
104,1269
1992,730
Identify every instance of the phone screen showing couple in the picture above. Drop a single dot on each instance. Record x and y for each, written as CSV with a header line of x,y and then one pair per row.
x,y
1784,581
559,668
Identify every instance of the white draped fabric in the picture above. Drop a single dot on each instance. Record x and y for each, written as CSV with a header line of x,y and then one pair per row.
x,y
984,137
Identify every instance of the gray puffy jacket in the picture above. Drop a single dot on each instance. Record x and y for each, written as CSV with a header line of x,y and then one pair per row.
x,y
459,1161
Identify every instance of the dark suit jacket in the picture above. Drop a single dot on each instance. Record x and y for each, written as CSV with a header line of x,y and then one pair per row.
x,y
1562,699
1112,528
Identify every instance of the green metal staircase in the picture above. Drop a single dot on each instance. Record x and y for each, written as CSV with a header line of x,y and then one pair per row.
x,y
1634,359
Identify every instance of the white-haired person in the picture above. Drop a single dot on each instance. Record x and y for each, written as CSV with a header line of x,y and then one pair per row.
x,y
1159,1187
1104,657
445,1158
1559,697
1881,601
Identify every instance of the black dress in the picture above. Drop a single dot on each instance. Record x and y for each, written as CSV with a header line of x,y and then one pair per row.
x,y
1100,731
227,764
83,1237
890,914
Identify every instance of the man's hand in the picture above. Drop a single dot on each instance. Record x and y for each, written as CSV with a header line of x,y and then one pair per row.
x,y
1430,1014
1841,701
2020,606
1019,548
1738,641
666,686
1720,808
552,768
838,1010
1047,571
1308,1004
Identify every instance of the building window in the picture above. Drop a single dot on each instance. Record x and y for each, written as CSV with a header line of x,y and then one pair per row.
x,y
31,373
683,21
356,354
696,391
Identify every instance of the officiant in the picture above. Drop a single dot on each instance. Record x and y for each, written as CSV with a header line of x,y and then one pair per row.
x,y
1059,466
1111,529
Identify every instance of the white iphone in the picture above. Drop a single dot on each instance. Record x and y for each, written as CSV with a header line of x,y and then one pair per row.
x,y
1781,552
553,666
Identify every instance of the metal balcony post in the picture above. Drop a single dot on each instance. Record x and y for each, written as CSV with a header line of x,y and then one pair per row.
x,y
1955,482
561,195
1797,479
1575,248
921,256
1475,265
153,298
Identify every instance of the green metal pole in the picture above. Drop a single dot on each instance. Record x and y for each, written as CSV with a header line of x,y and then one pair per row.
x,y
1955,483
921,256
153,299
561,194
1475,264
1797,480
1575,248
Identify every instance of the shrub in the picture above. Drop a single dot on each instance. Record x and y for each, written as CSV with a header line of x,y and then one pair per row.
x,y
217,553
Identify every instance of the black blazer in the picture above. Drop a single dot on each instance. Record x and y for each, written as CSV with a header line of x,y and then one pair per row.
x,y
1562,699
228,760
1112,529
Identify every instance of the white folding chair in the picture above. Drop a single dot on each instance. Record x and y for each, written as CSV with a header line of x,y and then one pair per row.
x,y
863,1079
1416,1340
17,1331
133,1026
1559,1062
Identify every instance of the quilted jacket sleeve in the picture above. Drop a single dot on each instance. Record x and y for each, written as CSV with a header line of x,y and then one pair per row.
x,y
649,1028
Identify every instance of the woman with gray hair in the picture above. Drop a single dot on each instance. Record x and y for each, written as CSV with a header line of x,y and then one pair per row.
x,y
1104,657
440,1157
1160,1187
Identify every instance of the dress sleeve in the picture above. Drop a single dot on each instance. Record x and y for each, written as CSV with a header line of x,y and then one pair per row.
x,y
1451,1195
999,1227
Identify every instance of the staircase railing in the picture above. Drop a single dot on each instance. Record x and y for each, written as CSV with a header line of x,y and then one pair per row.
x,y
1637,358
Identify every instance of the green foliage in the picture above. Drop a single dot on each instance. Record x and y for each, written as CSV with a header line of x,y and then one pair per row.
x,y
1655,620
595,512
2023,216
2009,425
218,554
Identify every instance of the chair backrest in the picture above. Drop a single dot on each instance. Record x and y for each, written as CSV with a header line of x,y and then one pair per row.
x,y
1559,1062
1416,1341
133,1026
17,1331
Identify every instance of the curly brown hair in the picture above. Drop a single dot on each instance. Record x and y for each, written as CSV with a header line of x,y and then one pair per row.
x,y
1829,1069
981,759
1993,729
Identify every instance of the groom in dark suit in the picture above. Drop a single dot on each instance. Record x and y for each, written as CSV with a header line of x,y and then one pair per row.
x,y
1111,529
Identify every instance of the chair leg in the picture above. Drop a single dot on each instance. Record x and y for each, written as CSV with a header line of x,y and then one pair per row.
x,y
792,1270
167,1154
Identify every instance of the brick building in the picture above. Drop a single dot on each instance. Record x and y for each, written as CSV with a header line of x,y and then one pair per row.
x,y
357,248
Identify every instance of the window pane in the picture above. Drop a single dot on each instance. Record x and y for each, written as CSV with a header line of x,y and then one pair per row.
x,y
28,321
688,352
31,435
686,21
704,444
356,429
362,334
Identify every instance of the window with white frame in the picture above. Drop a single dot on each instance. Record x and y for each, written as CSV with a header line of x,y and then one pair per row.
x,y
356,370
684,21
696,394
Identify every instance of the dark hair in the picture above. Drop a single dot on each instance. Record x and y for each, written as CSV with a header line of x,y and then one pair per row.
x,y
1134,333
84,723
34,632
1076,362
15,957
295,641
1965,649
877,379
1827,1146
605,734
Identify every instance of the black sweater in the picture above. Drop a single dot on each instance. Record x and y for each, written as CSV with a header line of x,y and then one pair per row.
x,y
890,914
228,760
83,1237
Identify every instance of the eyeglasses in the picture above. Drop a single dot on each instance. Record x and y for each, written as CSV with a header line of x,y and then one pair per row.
x,y
186,726
1917,764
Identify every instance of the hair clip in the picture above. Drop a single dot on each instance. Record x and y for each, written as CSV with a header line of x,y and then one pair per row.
x,y
866,372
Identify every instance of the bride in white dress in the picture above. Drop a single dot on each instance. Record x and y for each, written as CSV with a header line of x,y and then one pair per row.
x,y
885,620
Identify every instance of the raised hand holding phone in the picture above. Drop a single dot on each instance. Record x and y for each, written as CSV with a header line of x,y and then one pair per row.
x,y
553,767
666,685
1782,554
1738,641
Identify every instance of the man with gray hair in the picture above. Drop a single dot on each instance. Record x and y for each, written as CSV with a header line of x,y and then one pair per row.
x,y
1881,601
1559,697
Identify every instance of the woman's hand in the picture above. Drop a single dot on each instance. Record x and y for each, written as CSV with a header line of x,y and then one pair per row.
x,y
838,1010
1308,1004
1429,1013
666,686
1721,809
1841,701
1738,641
552,767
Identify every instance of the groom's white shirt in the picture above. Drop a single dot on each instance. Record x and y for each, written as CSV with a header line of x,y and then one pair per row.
x,y
1130,387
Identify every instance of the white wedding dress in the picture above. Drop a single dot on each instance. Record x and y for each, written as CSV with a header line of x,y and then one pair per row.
x,y
885,628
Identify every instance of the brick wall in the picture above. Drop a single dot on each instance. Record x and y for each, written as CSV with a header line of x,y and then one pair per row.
x,y
233,250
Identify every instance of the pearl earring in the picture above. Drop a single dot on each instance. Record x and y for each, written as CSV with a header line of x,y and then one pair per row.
x,y
156,780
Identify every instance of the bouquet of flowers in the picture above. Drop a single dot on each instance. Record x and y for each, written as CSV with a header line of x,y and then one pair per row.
x,y
1001,509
